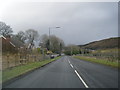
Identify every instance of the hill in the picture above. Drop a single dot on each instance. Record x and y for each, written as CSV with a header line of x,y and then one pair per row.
x,y
102,44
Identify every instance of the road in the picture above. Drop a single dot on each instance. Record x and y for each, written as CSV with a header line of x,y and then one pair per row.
x,y
68,72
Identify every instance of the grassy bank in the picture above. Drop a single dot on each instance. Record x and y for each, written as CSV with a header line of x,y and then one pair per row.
x,y
19,70
100,61
0,76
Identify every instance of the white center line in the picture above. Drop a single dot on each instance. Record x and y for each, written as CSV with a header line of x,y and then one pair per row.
x,y
71,65
69,61
79,75
81,79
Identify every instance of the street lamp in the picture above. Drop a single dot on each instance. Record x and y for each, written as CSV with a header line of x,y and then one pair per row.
x,y
50,29
49,35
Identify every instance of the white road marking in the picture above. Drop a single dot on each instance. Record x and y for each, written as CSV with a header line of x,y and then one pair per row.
x,y
81,79
69,61
79,75
71,65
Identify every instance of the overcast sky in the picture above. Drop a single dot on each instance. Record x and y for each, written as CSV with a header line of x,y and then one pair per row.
x,y
80,22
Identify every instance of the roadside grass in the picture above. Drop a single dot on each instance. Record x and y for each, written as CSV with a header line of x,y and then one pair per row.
x,y
19,70
100,61
0,76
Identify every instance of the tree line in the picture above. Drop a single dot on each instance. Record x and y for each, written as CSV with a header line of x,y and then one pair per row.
x,y
50,43
32,37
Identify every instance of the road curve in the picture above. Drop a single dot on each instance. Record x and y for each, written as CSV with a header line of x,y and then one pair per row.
x,y
68,72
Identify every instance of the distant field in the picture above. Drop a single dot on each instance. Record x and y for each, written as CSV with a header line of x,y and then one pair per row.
x,y
100,61
112,50
109,54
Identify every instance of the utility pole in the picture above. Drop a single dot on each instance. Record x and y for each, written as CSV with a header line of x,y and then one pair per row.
x,y
49,39
49,42
60,49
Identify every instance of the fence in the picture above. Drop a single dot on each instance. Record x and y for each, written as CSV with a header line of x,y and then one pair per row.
x,y
12,60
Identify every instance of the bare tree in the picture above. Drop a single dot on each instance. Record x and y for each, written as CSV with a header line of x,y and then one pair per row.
x,y
31,36
5,29
21,36
56,44
44,39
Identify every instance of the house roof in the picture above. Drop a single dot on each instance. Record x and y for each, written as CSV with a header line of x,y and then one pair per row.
x,y
12,44
16,42
1,36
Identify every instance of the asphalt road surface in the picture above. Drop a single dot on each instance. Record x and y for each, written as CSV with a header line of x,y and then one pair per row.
x,y
68,72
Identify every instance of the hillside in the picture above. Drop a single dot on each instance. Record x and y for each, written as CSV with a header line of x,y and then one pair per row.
x,y
102,44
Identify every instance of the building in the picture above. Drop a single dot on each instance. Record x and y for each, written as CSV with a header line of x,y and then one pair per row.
x,y
10,44
7,46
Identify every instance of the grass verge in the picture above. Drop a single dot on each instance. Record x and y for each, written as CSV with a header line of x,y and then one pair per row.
x,y
100,61
19,70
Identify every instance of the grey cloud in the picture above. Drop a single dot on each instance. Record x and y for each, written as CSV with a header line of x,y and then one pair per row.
x,y
80,22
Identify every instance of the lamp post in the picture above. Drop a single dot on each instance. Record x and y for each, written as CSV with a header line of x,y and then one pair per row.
x,y
49,36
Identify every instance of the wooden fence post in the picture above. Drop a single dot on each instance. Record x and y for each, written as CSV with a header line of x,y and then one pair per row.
x,y
7,61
